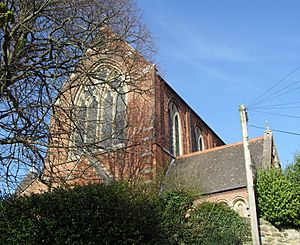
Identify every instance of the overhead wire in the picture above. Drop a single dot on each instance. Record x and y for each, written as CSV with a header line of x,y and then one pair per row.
x,y
276,114
275,108
255,101
278,105
278,93
262,103
276,130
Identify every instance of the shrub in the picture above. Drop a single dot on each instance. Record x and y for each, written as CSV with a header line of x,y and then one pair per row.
x,y
116,214
278,198
96,214
173,207
215,223
208,223
292,172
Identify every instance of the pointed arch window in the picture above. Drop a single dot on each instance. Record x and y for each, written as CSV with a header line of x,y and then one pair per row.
x,y
199,144
100,114
175,129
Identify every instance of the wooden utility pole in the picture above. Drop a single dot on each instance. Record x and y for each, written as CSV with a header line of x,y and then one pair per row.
x,y
249,176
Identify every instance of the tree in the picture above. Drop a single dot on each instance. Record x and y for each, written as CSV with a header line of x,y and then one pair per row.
x,y
47,48
292,172
278,197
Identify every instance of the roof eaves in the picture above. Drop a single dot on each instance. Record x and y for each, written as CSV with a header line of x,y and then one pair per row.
x,y
217,148
225,190
162,79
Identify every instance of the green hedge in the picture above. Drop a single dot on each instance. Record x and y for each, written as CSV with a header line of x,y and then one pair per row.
x,y
216,223
84,215
292,172
207,224
173,208
116,214
278,198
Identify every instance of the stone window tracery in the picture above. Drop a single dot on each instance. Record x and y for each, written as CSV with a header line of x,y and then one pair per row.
x,y
100,114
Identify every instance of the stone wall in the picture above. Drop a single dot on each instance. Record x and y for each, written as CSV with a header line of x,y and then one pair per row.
x,y
270,235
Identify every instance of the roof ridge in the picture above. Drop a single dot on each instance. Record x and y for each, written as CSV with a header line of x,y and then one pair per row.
x,y
218,148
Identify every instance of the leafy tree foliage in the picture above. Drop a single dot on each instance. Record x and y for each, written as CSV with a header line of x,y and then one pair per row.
x,y
292,172
278,197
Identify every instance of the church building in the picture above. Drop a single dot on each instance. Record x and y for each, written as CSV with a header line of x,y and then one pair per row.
x,y
122,121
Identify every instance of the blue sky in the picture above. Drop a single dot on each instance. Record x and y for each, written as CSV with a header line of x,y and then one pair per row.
x,y
219,54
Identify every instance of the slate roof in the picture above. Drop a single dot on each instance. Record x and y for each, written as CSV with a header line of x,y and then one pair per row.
x,y
214,170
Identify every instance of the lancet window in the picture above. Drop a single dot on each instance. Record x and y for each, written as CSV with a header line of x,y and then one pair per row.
x,y
199,144
175,129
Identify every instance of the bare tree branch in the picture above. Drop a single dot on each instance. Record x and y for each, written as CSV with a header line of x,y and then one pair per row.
x,y
50,49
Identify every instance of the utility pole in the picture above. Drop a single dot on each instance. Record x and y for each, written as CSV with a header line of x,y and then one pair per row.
x,y
249,176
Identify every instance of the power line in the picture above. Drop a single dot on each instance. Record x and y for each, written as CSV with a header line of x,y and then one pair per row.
x,y
276,114
278,105
277,83
276,130
277,94
288,103
275,107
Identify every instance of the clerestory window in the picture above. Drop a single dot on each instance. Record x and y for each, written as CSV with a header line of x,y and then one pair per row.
x,y
175,130
100,114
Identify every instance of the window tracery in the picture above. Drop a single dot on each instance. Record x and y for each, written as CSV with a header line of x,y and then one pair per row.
x,y
100,114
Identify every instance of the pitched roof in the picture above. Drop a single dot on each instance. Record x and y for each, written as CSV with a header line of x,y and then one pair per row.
x,y
215,170
187,105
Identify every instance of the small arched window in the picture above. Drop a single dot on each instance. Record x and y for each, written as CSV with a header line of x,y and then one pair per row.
x,y
175,130
240,206
100,114
198,144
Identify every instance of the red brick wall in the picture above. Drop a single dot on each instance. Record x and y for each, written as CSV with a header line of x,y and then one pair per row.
x,y
227,196
143,154
188,120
